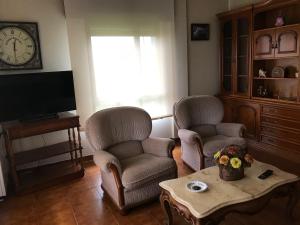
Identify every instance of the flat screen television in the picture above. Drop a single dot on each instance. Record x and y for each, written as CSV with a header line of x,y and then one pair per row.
x,y
36,95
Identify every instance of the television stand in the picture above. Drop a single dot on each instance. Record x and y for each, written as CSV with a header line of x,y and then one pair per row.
x,y
39,117
43,176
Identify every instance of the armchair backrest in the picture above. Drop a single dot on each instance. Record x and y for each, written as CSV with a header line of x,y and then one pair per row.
x,y
198,110
119,129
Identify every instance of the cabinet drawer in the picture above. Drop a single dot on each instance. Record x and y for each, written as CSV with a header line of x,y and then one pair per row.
x,y
267,121
281,112
284,134
282,144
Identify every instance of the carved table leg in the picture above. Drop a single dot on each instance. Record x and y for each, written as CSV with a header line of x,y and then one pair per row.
x,y
292,202
165,204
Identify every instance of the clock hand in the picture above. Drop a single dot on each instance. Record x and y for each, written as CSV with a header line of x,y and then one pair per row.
x,y
15,50
15,44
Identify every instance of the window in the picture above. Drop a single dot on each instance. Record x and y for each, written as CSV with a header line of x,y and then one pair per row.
x,y
129,71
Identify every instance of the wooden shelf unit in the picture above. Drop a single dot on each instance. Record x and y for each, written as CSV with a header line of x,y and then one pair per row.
x,y
35,178
272,121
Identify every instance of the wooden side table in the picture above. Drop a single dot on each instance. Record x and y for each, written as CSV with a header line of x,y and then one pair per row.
x,y
249,195
43,176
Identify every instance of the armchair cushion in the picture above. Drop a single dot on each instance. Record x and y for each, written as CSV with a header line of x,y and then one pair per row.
x,y
158,146
215,143
126,149
230,129
103,159
205,130
145,168
188,136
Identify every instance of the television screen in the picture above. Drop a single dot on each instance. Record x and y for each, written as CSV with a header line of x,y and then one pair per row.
x,y
25,96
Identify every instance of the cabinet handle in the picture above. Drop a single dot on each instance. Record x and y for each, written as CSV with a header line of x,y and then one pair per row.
x,y
274,45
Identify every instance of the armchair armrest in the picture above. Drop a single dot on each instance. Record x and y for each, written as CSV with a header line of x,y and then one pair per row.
x,y
105,159
159,146
231,129
189,137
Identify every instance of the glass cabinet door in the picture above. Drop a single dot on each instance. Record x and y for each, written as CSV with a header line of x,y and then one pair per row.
x,y
227,57
242,60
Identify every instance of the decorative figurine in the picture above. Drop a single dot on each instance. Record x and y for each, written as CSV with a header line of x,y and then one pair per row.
x,y
279,20
262,74
260,90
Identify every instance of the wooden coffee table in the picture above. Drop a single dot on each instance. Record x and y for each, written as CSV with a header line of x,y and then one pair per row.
x,y
249,195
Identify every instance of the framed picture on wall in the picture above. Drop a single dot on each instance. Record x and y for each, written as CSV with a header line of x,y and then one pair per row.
x,y
199,32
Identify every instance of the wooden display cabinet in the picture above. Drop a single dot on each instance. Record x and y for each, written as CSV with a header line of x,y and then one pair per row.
x,y
39,177
273,118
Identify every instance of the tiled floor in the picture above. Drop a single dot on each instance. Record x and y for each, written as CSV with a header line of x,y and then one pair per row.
x,y
81,202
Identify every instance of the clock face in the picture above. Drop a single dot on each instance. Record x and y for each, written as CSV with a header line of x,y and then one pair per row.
x,y
17,47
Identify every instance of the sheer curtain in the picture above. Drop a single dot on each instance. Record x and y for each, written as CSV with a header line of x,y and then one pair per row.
x,y
130,49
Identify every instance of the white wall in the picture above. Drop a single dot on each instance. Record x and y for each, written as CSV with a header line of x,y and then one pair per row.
x,y
204,55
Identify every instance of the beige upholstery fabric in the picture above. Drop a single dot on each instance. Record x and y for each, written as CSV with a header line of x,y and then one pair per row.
x,y
198,110
133,197
201,131
126,149
205,130
121,136
156,146
145,168
116,125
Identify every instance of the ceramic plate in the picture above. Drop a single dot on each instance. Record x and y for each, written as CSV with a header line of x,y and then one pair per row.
x,y
196,186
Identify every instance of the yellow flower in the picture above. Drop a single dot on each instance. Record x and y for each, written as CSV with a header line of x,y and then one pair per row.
x,y
217,154
235,163
224,160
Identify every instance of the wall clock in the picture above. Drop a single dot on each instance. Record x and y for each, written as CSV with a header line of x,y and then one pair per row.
x,y
19,46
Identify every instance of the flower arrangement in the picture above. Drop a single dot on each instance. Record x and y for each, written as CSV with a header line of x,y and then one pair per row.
x,y
232,160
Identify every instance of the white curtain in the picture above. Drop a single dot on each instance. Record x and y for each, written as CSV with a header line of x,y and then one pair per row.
x,y
127,47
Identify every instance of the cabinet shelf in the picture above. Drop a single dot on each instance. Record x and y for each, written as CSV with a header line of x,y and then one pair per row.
x,y
42,153
274,28
292,100
275,58
40,177
275,78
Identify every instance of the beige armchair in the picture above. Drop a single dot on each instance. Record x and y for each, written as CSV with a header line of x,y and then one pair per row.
x,y
132,163
201,132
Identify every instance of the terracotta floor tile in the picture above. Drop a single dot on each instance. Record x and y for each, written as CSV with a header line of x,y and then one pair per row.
x,y
95,212
81,198
83,184
57,218
18,202
27,215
